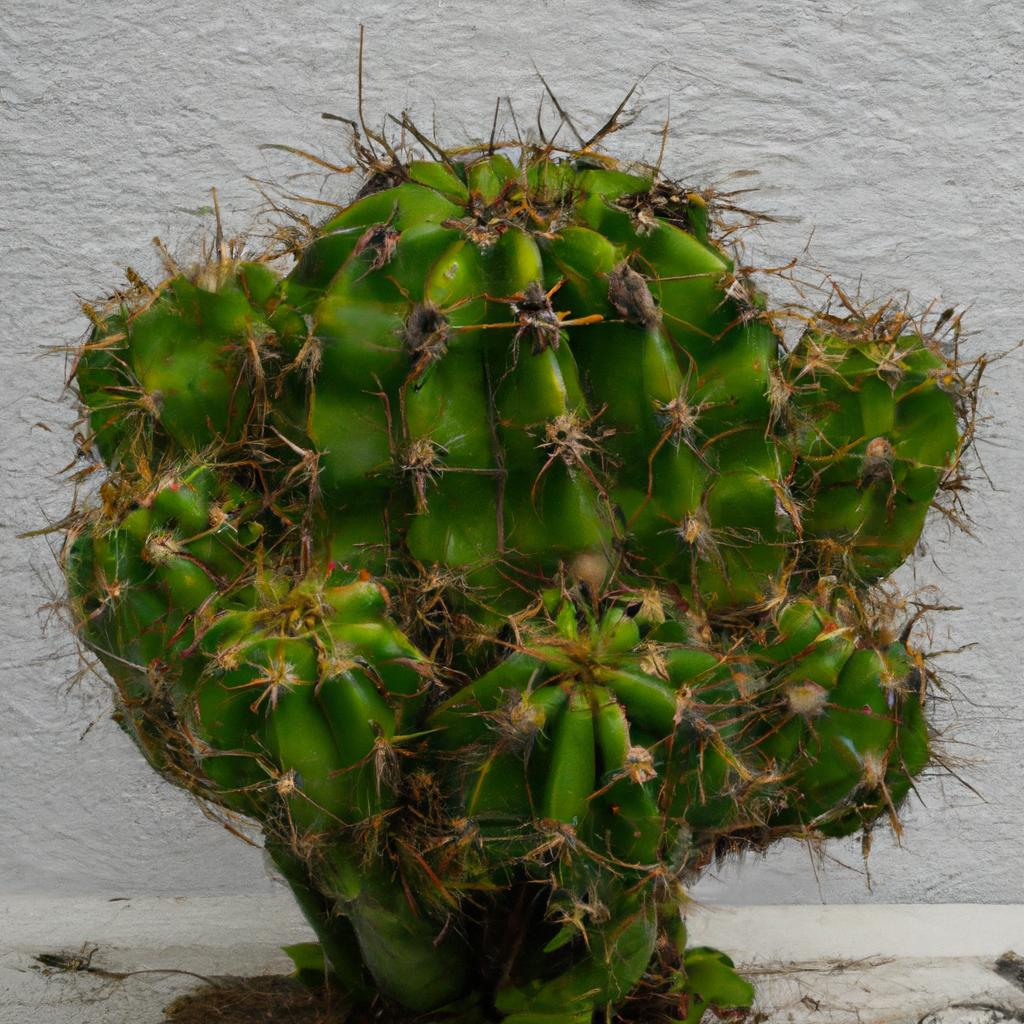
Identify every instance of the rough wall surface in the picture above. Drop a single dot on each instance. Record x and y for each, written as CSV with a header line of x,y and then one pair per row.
x,y
891,132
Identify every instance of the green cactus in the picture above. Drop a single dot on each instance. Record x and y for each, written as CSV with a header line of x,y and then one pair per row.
x,y
502,563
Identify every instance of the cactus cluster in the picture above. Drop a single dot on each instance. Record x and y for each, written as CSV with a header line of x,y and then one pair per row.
x,y
488,546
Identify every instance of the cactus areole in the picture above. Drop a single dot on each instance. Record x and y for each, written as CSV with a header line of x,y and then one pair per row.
x,y
490,546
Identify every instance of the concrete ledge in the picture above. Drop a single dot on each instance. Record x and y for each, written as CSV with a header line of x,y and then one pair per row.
x,y
916,930
877,964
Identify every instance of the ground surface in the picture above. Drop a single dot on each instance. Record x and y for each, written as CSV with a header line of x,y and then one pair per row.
x,y
812,965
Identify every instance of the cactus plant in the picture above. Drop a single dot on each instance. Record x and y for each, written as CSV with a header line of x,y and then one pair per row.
x,y
488,547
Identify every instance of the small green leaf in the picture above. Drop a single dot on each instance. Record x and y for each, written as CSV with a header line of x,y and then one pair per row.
x,y
310,965
711,976
566,1016
565,935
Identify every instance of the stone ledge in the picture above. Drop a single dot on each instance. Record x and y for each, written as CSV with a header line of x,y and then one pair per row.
x,y
851,964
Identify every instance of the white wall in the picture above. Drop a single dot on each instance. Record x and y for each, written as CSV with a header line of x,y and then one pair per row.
x,y
893,128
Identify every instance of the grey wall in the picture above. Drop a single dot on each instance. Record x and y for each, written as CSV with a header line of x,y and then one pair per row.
x,y
891,128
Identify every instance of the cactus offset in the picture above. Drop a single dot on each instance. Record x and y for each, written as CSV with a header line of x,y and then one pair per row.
x,y
502,563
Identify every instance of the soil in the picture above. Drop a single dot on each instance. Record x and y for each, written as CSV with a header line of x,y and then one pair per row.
x,y
279,999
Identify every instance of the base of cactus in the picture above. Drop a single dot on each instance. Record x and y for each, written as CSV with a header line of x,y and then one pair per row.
x,y
298,999
384,966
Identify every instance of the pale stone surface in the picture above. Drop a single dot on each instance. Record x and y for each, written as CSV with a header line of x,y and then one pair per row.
x,y
811,965
892,130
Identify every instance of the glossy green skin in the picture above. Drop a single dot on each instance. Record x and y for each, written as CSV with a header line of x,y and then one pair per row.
x,y
174,374
497,504
899,394
499,501
287,694
261,664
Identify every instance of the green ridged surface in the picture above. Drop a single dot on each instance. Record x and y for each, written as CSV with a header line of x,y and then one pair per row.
x,y
502,563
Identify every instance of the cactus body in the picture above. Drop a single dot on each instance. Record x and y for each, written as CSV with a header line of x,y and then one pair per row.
x,y
502,563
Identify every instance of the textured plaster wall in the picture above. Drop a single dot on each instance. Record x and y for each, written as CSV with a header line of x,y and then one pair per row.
x,y
890,130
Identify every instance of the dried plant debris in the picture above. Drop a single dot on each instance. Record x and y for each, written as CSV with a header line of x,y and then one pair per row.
x,y
975,1012
67,962
275,998
1011,967
81,962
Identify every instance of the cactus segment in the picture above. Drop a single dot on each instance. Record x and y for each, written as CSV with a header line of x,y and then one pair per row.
x,y
498,556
